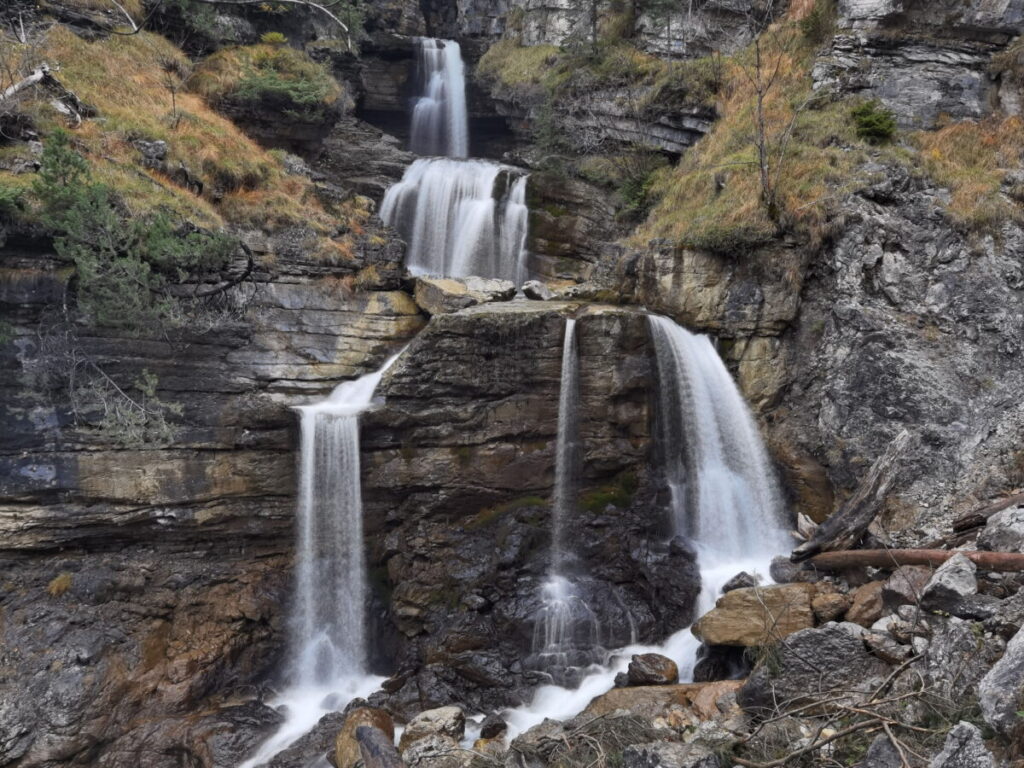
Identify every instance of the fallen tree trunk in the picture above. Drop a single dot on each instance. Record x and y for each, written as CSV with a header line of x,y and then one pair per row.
x,y
376,749
846,525
38,75
890,558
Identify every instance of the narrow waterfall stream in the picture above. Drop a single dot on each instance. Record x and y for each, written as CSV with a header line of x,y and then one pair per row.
x,y
724,501
459,217
327,666
566,632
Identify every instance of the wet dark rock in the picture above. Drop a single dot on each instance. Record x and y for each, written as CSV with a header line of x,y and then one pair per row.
x,y
720,662
312,746
534,289
493,727
953,589
740,581
652,669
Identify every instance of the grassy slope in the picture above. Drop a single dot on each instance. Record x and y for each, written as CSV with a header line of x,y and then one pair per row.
x,y
137,86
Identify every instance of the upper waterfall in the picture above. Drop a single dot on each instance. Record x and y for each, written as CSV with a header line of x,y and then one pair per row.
x,y
440,123
460,218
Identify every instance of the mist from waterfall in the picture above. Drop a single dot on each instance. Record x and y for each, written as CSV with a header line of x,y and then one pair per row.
x,y
440,122
328,657
724,500
460,218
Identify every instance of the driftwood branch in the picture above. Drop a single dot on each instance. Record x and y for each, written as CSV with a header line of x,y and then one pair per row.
x,y
376,749
846,525
40,74
890,558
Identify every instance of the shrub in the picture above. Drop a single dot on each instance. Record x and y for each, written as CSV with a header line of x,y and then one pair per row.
x,y
875,123
273,38
274,77
123,264
60,584
819,23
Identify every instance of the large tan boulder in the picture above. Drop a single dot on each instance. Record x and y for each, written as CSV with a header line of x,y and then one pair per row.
x,y
346,748
444,721
441,295
867,604
757,615
654,701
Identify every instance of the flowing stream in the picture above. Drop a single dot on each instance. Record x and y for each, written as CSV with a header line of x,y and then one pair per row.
x,y
459,217
328,640
724,500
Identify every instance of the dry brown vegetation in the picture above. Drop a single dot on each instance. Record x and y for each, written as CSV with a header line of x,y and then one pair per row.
x,y
135,85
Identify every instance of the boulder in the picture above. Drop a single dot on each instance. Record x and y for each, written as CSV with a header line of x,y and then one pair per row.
x,y
313,745
953,589
830,606
755,616
881,754
442,295
704,700
887,648
493,727
905,585
436,751
964,748
741,580
1001,690
812,662
720,662
490,747
959,655
536,290
346,748
667,754
652,669
1004,531
1008,616
445,721
867,604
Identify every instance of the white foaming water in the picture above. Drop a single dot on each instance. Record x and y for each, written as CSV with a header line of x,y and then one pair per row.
x,y
460,218
723,494
328,642
440,122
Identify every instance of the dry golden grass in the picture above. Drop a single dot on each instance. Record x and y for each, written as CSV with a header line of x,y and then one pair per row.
x,y
972,159
715,200
135,83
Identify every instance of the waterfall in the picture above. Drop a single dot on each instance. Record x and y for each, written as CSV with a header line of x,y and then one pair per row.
x,y
723,499
440,123
567,446
328,665
566,632
460,218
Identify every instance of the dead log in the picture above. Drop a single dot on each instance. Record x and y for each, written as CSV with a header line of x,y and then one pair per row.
x,y
890,558
41,73
978,517
846,525
376,749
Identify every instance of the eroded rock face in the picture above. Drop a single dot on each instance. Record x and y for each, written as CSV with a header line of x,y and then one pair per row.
x,y
145,582
458,468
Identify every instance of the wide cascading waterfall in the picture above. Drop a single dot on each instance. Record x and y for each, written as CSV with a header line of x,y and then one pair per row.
x,y
724,499
724,496
440,122
328,665
566,632
460,218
